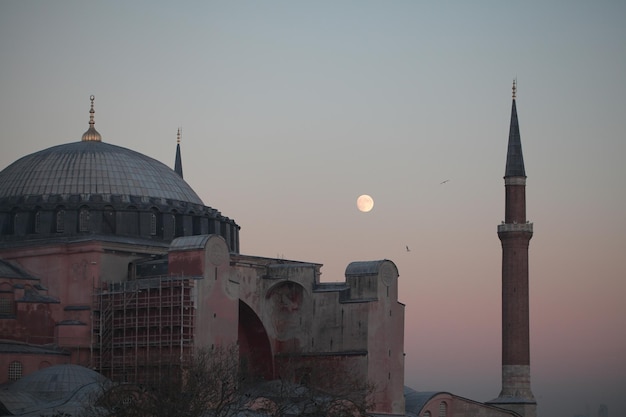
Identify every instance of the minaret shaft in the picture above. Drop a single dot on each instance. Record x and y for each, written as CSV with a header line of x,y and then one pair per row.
x,y
515,201
515,234
515,304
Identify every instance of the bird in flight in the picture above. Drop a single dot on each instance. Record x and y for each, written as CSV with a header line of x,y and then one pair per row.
x,y
443,182
407,249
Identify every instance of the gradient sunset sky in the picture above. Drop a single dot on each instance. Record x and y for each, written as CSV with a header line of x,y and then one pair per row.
x,y
291,109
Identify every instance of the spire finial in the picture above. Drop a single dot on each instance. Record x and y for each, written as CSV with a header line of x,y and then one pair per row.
x,y
178,136
92,134
92,112
514,158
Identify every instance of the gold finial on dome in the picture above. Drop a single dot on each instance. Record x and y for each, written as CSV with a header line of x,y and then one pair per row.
x,y
514,88
92,134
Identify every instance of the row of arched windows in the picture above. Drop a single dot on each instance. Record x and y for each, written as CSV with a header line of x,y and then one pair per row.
x,y
129,221
84,216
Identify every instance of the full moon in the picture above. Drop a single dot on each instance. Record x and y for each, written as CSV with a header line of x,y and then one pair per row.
x,y
364,203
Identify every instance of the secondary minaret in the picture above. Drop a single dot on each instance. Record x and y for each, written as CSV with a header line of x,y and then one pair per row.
x,y
515,233
178,162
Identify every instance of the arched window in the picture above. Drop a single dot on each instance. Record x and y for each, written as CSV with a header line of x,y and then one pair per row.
x,y
153,224
196,224
173,223
108,220
427,414
15,370
83,219
37,222
443,409
156,222
179,226
7,301
60,220
14,219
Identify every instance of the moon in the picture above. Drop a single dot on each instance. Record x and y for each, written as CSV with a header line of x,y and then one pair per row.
x,y
364,203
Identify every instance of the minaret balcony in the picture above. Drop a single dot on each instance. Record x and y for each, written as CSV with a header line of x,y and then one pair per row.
x,y
515,227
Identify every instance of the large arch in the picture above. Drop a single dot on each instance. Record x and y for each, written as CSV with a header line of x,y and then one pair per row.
x,y
254,344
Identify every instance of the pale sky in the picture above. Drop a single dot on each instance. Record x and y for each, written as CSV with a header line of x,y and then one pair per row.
x,y
290,110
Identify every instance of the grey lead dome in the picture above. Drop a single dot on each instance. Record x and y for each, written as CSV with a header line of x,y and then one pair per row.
x,y
93,168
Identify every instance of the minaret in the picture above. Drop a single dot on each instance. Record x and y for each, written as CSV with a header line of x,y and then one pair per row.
x,y
515,233
178,163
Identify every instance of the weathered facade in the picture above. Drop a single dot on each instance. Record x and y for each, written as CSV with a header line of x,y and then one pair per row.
x,y
109,260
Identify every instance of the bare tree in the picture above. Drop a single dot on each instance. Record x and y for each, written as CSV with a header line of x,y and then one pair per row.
x,y
209,385
330,387
217,383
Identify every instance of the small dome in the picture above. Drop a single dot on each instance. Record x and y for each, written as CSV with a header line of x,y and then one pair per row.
x,y
62,389
57,381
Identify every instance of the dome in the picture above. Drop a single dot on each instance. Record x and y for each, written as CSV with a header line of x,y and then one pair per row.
x,y
90,168
57,381
64,389
95,190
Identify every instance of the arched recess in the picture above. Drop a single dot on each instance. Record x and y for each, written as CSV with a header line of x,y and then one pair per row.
x,y
286,301
254,344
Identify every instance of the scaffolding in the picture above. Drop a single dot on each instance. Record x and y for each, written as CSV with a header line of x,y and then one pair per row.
x,y
143,330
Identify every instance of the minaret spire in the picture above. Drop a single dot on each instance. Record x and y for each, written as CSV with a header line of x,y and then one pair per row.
x,y
91,134
178,163
515,233
514,158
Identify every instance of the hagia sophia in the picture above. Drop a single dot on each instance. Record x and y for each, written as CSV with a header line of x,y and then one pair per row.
x,y
111,266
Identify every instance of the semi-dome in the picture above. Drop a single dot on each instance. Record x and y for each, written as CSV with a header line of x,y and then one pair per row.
x,y
89,168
